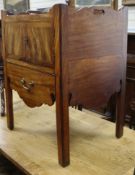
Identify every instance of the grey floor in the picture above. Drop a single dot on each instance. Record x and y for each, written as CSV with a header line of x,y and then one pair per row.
x,y
7,168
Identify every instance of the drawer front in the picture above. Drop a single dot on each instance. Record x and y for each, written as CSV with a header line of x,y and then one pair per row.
x,y
34,87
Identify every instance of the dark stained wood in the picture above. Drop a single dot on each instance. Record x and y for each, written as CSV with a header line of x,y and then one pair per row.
x,y
62,99
120,107
97,58
94,53
86,72
75,56
8,90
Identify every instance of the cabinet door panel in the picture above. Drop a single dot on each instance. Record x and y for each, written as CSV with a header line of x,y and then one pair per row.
x,y
40,44
15,40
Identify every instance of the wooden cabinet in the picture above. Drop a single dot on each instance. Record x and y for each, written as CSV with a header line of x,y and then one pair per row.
x,y
71,56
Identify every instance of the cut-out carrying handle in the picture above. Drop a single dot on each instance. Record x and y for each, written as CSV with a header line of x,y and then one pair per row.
x,y
99,11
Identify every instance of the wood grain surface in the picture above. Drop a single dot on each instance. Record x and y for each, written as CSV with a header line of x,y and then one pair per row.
x,y
94,149
30,39
42,88
96,54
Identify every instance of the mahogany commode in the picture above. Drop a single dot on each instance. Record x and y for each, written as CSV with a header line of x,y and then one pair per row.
x,y
68,55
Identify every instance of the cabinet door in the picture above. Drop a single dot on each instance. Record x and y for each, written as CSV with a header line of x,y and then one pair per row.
x,y
40,43
15,40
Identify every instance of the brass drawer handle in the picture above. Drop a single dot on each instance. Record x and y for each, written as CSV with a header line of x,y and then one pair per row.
x,y
25,85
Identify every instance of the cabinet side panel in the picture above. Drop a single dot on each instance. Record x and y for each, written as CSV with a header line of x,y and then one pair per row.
x,y
96,54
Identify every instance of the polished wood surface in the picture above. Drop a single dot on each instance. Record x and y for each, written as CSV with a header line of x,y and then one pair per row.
x,y
89,55
94,149
92,50
28,43
83,64
32,86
